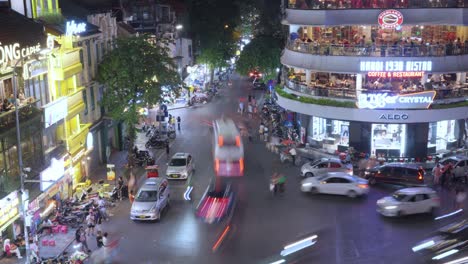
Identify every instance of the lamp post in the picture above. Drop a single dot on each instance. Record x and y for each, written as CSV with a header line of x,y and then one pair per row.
x,y
20,160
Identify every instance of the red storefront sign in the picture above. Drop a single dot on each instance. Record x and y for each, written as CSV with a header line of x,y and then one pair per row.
x,y
390,19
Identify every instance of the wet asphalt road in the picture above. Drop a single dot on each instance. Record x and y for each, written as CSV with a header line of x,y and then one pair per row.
x,y
349,230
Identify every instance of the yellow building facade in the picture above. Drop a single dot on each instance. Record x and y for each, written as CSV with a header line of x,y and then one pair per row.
x,y
64,67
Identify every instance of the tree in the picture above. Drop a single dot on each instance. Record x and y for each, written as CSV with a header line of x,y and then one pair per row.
x,y
263,52
135,73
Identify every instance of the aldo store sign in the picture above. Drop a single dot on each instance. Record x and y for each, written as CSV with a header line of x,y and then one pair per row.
x,y
420,100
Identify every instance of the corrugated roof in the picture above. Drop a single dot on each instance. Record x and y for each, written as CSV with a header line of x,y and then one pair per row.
x,y
16,28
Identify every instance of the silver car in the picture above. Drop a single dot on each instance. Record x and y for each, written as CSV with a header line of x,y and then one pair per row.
x,y
151,199
325,165
181,166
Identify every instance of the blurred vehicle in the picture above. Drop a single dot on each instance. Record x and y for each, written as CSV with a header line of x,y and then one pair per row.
x,y
255,74
152,197
460,165
396,173
259,85
181,166
339,183
216,204
157,142
324,166
228,149
142,157
446,241
409,201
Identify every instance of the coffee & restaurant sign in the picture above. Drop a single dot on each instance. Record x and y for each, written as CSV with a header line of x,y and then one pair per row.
x,y
16,51
390,19
420,100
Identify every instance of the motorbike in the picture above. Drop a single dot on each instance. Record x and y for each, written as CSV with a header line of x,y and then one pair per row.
x,y
171,134
157,142
143,158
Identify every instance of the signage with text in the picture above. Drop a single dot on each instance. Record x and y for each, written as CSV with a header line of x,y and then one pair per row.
x,y
34,68
55,111
396,74
420,100
9,209
395,66
53,173
393,116
15,51
390,19
74,28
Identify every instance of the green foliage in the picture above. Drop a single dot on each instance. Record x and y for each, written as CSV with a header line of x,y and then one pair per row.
x,y
135,73
263,52
317,101
452,105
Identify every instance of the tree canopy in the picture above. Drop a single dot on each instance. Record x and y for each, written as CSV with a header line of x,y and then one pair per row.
x,y
263,52
135,73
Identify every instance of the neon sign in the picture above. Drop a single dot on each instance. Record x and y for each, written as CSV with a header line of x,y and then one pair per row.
x,y
73,28
420,100
390,18
15,52
396,74
395,66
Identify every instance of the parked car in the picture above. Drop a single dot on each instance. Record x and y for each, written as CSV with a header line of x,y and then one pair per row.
x,y
181,166
324,166
339,183
409,201
151,199
449,240
396,173
460,165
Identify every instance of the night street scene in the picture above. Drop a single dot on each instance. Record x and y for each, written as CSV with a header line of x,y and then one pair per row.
x,y
233,131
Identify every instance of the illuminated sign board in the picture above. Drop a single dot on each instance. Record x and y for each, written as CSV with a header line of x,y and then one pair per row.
x,y
53,173
34,68
395,66
9,209
420,100
15,51
74,28
55,111
396,74
393,116
390,19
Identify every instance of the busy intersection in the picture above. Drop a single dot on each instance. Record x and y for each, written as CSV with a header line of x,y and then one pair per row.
x,y
262,224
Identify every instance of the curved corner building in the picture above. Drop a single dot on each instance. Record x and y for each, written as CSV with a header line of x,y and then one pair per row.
x,y
387,78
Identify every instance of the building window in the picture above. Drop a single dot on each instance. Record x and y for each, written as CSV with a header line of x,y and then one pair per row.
x,y
85,100
82,58
441,136
330,135
93,103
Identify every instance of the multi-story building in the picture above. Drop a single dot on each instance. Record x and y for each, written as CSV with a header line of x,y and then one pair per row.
x,y
388,82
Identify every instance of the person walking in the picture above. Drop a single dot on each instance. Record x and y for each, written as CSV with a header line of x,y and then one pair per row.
x,y
102,208
120,185
250,110
178,123
91,223
99,239
274,183
241,107
293,153
460,197
436,174
261,130
80,236
168,150
281,183
265,134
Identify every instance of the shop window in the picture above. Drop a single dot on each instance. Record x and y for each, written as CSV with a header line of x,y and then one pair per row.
x,y
441,136
331,135
388,140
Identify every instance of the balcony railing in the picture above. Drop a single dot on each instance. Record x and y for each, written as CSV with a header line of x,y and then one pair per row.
x,y
446,94
26,111
368,4
437,50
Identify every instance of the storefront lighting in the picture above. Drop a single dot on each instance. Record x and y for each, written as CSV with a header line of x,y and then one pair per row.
x,y
48,209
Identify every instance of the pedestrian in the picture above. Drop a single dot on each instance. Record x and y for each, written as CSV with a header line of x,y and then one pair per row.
x,y
131,197
281,183
99,239
250,98
102,208
460,197
9,249
34,249
80,236
98,219
168,150
250,110
274,183
265,134
178,123
90,222
120,185
436,174
293,153
261,130
105,241
241,107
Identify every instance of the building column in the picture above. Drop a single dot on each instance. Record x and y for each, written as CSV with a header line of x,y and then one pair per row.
x,y
358,84
308,76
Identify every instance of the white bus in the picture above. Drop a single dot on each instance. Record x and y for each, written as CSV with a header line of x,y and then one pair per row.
x,y
228,150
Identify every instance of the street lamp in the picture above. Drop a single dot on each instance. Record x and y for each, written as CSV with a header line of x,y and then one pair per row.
x,y
179,27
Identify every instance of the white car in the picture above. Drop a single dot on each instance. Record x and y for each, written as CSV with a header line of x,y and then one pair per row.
x,y
181,166
460,165
339,183
323,166
409,201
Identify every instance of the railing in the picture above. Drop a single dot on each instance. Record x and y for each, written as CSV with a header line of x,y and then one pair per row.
x,y
437,50
25,111
350,92
373,4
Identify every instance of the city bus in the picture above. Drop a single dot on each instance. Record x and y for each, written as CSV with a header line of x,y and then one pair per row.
x,y
228,150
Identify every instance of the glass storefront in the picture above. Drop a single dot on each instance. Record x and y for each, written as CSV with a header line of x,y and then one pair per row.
x,y
441,136
330,135
388,140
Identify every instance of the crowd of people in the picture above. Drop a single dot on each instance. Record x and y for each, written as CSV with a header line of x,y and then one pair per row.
x,y
8,104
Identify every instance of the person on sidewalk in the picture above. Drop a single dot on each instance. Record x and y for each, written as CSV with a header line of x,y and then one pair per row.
x,y
120,185
102,208
168,150
91,223
250,110
178,123
34,249
80,236
436,173
261,130
293,153
99,239
9,248
131,197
